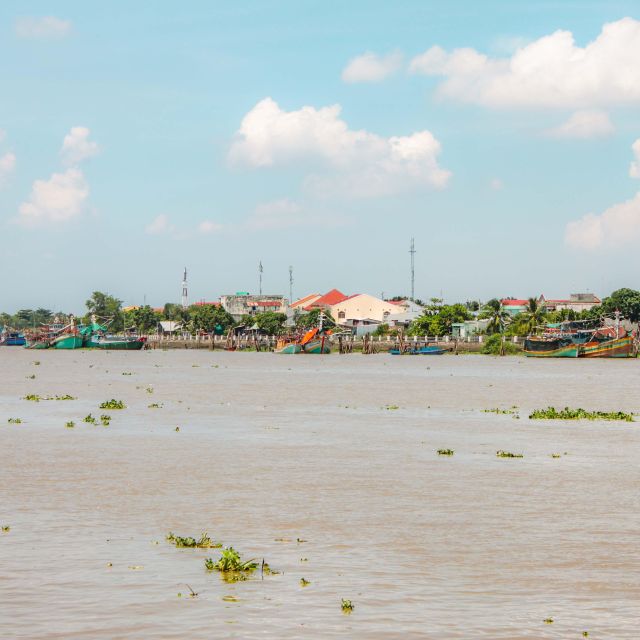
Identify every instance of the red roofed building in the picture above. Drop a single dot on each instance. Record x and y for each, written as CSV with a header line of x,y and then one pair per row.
x,y
327,300
514,306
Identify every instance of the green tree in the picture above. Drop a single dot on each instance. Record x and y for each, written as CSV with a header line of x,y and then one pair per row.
x,y
498,318
533,317
270,322
143,319
627,301
106,308
208,318
438,319
312,319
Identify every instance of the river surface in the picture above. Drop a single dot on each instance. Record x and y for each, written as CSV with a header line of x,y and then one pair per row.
x,y
326,467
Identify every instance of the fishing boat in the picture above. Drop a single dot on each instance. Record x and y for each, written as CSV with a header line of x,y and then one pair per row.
x,y
432,350
12,339
68,337
551,346
37,342
287,346
609,342
315,341
95,336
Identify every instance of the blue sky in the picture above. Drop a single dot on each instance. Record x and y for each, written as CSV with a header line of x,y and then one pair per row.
x,y
142,137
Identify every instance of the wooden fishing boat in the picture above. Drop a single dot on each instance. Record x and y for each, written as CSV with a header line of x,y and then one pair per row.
x,y
422,351
315,341
13,339
550,347
287,346
37,343
608,342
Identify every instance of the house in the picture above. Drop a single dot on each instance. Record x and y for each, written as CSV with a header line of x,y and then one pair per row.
x,y
362,310
303,302
168,327
327,301
468,328
577,302
408,311
242,304
514,306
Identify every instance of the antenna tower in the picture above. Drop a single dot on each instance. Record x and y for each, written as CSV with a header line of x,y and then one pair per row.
x,y
290,285
412,251
185,294
260,276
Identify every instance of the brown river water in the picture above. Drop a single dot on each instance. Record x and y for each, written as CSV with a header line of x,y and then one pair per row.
x,y
273,449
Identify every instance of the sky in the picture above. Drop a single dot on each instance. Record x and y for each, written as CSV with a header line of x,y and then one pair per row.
x,y
140,138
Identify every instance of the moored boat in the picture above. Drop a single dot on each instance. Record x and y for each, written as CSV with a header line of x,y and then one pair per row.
x,y
559,346
13,339
119,343
608,342
67,341
287,346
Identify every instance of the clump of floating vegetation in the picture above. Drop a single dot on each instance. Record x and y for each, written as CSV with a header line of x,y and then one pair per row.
x,y
508,454
6,528
36,363
127,373
556,455
154,405
347,606
66,396
204,542
231,565
31,377
551,413
392,407
548,621
304,583
89,419
34,397
113,404
445,452
70,424
511,411
14,421
105,420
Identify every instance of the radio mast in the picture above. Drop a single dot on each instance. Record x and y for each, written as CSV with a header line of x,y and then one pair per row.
x,y
185,295
412,251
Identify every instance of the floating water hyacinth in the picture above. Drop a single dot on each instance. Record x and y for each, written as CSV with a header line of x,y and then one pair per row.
x,y
231,566
551,413
445,452
347,606
113,404
89,419
14,421
204,542
508,454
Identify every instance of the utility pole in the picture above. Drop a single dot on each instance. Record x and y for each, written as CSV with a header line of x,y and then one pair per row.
x,y
412,251
260,276
290,284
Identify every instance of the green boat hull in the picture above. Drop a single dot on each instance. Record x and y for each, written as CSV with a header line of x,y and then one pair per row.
x,y
67,342
115,344
290,348
37,345
317,346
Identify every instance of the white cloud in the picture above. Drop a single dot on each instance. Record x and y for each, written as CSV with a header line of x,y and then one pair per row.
x,y
76,146
45,27
634,168
549,72
616,226
357,162
159,225
7,165
59,199
208,226
589,123
370,67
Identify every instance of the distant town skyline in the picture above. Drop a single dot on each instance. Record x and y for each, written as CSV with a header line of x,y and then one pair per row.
x,y
134,140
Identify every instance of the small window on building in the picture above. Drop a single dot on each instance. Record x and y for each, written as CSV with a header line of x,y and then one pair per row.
x,y
341,315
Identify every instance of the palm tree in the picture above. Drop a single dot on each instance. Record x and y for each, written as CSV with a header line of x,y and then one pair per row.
x,y
534,316
497,316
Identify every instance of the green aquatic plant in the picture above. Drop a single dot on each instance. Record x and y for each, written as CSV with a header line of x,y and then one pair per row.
x,y
6,528
105,420
177,429
36,363
445,452
556,455
113,404
392,407
149,389
548,621
89,419
31,377
154,405
14,421
70,424
231,564
347,606
508,454
64,397
551,413
204,542
304,583
33,397
127,373
512,411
